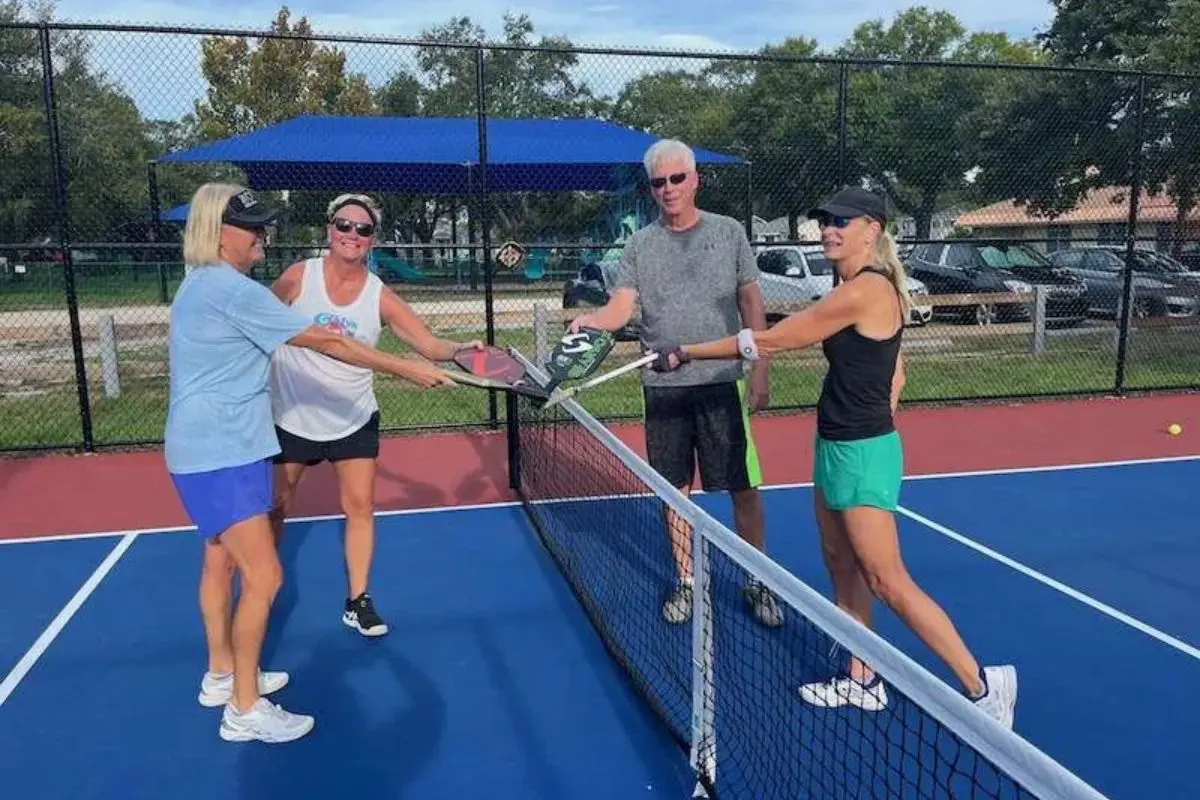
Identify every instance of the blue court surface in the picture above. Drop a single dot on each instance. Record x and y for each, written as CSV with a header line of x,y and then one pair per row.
x,y
493,683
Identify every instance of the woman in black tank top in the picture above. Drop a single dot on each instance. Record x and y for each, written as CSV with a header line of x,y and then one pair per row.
x,y
858,458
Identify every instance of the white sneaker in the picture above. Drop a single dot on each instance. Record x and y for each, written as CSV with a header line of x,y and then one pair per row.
x,y
265,722
1000,702
217,690
846,691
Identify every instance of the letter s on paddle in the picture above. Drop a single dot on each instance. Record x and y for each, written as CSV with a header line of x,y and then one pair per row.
x,y
575,343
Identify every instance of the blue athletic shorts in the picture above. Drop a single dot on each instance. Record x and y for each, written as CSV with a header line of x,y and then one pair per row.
x,y
216,500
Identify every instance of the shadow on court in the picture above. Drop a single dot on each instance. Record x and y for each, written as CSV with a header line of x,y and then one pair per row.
x,y
295,536
662,755
360,748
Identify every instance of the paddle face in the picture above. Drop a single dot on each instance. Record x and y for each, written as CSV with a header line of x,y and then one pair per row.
x,y
492,363
577,355
493,368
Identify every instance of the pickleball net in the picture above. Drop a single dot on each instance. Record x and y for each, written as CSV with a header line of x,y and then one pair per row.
x,y
725,682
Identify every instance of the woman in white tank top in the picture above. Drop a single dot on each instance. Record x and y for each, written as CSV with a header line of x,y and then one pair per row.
x,y
326,410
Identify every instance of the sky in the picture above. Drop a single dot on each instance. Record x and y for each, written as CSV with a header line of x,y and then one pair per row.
x,y
163,75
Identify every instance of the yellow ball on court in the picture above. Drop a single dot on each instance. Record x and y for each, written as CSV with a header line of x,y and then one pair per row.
x,y
1174,429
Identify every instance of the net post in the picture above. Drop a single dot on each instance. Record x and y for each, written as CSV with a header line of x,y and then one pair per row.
x,y
512,436
703,756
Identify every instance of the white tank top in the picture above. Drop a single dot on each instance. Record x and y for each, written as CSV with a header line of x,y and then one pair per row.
x,y
313,395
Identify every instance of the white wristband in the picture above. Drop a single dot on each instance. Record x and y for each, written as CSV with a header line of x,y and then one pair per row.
x,y
746,346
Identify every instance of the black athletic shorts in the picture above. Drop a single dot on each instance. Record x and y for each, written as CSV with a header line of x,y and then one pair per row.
x,y
362,443
704,425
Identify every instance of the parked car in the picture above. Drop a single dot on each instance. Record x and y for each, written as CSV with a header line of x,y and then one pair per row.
x,y
788,275
1189,255
590,288
997,267
791,274
1160,287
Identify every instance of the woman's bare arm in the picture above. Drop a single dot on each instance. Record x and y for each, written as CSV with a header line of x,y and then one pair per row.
x,y
409,328
898,381
841,307
355,353
287,286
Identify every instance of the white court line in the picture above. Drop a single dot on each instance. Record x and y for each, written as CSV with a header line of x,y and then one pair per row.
x,y
511,503
317,518
1059,586
18,673
978,473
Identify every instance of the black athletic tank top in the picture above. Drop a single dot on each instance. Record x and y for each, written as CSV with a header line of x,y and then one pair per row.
x,y
855,398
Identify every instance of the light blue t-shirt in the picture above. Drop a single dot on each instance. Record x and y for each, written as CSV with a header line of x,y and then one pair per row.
x,y
224,328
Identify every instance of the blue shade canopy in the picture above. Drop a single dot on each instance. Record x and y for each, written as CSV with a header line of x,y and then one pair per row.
x,y
434,155
177,214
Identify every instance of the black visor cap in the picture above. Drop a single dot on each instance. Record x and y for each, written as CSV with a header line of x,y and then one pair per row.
x,y
852,203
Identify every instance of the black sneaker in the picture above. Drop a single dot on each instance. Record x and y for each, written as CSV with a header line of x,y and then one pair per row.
x,y
360,614
763,603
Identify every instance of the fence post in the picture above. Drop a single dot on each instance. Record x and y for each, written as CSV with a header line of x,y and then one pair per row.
x,y
842,99
155,228
485,220
541,331
109,363
64,235
1039,320
1135,189
749,199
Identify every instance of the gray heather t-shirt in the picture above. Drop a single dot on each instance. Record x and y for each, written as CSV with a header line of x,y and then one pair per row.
x,y
687,284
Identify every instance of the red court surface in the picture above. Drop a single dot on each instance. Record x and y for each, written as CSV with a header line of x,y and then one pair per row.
x,y
74,494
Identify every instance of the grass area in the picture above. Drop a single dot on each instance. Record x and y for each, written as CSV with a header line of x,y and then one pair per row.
x,y
88,295
139,284
43,289
973,366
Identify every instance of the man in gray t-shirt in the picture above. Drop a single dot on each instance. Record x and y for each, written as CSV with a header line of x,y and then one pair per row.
x,y
694,286
695,279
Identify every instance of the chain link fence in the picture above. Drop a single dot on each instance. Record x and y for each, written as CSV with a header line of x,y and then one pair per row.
x,y
1046,216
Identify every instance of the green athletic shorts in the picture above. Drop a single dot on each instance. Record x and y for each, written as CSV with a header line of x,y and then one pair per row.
x,y
862,472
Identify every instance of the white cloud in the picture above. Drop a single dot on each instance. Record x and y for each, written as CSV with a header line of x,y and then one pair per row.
x,y
162,72
602,23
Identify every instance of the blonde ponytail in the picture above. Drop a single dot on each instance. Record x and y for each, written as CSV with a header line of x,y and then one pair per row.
x,y
888,258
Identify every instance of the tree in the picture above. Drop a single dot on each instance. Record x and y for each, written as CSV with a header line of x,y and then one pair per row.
x,y
1143,35
692,106
519,82
25,181
787,121
253,86
700,108
1172,153
1056,137
1112,34
103,139
915,131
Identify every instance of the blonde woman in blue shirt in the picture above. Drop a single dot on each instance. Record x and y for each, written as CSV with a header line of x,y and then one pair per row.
x,y
220,440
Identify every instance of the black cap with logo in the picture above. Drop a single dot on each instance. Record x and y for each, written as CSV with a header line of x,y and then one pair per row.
x,y
852,202
244,210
